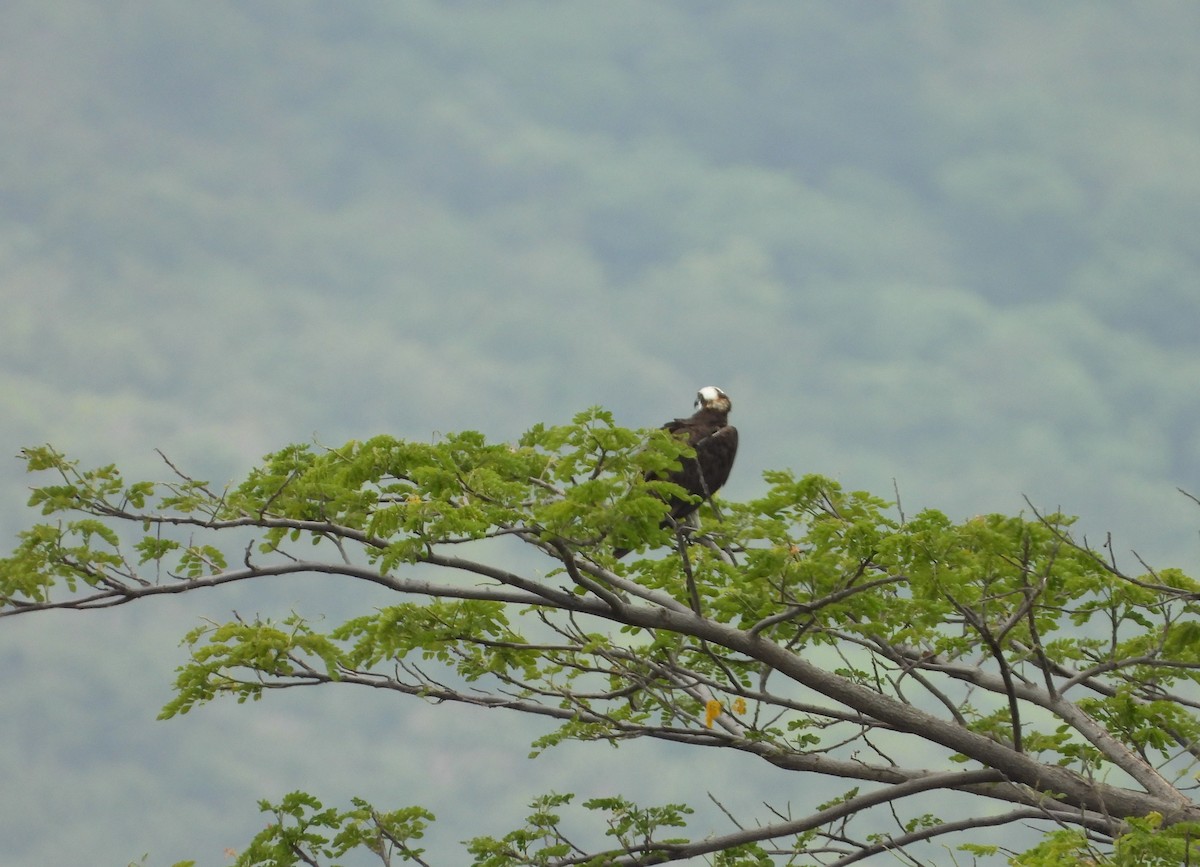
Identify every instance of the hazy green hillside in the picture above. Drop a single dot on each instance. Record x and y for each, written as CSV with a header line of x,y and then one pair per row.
x,y
947,244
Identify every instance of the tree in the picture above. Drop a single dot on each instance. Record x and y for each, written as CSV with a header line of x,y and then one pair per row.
x,y
821,631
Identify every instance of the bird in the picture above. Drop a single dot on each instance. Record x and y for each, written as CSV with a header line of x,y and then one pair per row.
x,y
715,442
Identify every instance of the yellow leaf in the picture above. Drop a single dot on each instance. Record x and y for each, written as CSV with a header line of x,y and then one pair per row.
x,y
712,709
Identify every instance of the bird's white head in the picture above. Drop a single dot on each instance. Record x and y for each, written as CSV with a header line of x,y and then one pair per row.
x,y
711,397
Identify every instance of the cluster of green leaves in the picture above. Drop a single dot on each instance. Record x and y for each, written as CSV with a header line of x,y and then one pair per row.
x,y
585,482
87,551
303,830
543,841
981,616
1147,844
73,552
258,649
930,588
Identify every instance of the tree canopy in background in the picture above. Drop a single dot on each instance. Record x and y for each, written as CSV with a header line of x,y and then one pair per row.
x,y
878,657
930,219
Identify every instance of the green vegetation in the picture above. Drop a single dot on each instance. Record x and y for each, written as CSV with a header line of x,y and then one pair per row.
x,y
878,657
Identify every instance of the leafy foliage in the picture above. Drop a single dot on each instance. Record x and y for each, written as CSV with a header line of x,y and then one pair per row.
x,y
303,830
812,628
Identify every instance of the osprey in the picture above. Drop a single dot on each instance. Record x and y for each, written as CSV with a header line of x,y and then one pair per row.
x,y
715,442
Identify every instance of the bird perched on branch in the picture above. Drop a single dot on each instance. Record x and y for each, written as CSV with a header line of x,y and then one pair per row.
x,y
715,442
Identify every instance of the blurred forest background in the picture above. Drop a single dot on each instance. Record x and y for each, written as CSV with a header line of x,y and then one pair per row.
x,y
950,245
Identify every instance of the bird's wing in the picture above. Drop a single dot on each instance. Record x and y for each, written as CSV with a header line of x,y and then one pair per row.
x,y
708,470
715,454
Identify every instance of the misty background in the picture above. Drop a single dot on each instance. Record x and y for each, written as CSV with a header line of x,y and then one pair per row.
x,y
946,247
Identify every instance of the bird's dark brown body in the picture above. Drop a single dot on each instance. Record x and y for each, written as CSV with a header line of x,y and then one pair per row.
x,y
715,442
